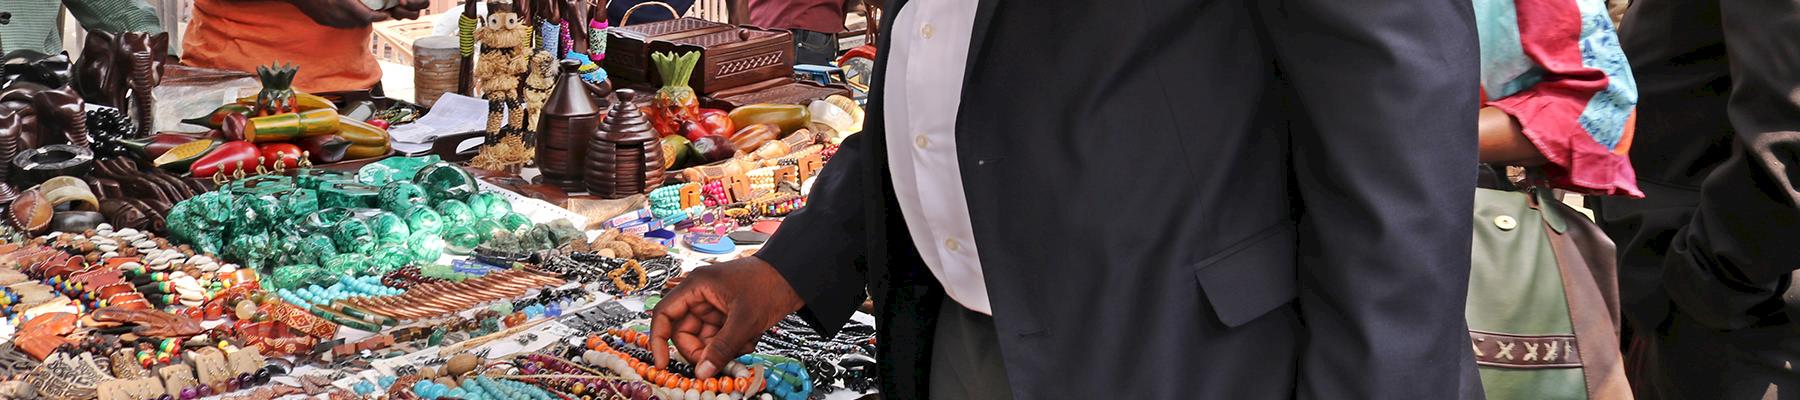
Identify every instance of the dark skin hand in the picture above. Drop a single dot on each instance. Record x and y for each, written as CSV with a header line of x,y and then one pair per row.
x,y
718,313
1503,140
353,14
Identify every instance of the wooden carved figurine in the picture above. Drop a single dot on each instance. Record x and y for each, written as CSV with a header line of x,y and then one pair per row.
x,y
538,83
505,53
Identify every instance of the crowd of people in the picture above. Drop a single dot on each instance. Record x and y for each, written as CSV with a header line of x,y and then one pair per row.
x,y
1301,226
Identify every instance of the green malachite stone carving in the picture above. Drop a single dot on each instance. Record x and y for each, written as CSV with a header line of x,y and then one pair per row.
x,y
390,258
349,230
456,213
387,224
348,195
346,264
262,185
316,248
401,195
393,169
299,203
313,178
436,338
424,219
248,248
296,276
445,181
257,214
515,222
426,247
326,219
460,240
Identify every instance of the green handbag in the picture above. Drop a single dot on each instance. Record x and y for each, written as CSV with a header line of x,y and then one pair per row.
x,y
1543,309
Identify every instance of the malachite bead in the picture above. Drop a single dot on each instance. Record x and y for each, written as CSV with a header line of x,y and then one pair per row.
x,y
455,212
444,181
257,213
515,222
461,240
362,245
400,196
425,247
347,231
423,219
387,224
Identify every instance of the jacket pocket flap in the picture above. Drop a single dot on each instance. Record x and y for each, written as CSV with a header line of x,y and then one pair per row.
x,y
1252,277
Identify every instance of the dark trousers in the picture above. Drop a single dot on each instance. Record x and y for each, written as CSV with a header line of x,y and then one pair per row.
x,y
965,356
816,48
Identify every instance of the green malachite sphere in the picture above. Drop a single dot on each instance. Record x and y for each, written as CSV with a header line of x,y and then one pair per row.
x,y
388,225
346,233
400,196
444,181
390,258
461,239
489,205
422,218
486,229
456,213
426,247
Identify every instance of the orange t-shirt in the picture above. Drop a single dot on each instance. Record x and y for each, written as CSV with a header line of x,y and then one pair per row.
x,y
242,35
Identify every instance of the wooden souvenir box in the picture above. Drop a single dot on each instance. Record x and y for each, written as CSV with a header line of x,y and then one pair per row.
x,y
733,58
783,90
628,47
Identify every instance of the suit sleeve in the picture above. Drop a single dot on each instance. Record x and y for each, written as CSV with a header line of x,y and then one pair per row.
x,y
1727,267
818,247
1382,156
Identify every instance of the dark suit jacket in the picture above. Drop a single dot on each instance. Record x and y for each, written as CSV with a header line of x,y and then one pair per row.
x,y
1233,199
1706,259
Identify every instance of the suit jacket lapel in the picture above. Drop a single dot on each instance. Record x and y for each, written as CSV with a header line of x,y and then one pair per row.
x,y
984,18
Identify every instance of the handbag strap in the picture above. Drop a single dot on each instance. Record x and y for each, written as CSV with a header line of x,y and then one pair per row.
x,y
1596,324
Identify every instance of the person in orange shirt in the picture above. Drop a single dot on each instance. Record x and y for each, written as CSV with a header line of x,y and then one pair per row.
x,y
328,39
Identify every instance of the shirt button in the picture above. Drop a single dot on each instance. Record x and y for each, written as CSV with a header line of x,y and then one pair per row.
x,y
926,31
921,141
953,245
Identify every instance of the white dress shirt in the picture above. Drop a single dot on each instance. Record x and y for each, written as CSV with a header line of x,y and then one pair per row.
x,y
926,56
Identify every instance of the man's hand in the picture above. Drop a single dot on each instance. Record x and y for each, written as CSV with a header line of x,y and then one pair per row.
x,y
341,13
719,312
408,9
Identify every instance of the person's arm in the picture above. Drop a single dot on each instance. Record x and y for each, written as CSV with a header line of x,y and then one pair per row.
x,y
1576,113
818,248
352,13
719,311
1381,159
1728,266
1503,140
115,15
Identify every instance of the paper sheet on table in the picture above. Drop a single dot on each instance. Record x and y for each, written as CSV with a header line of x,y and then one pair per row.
x,y
452,114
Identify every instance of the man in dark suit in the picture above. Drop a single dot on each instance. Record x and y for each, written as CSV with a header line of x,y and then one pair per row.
x,y
1707,258
1196,199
